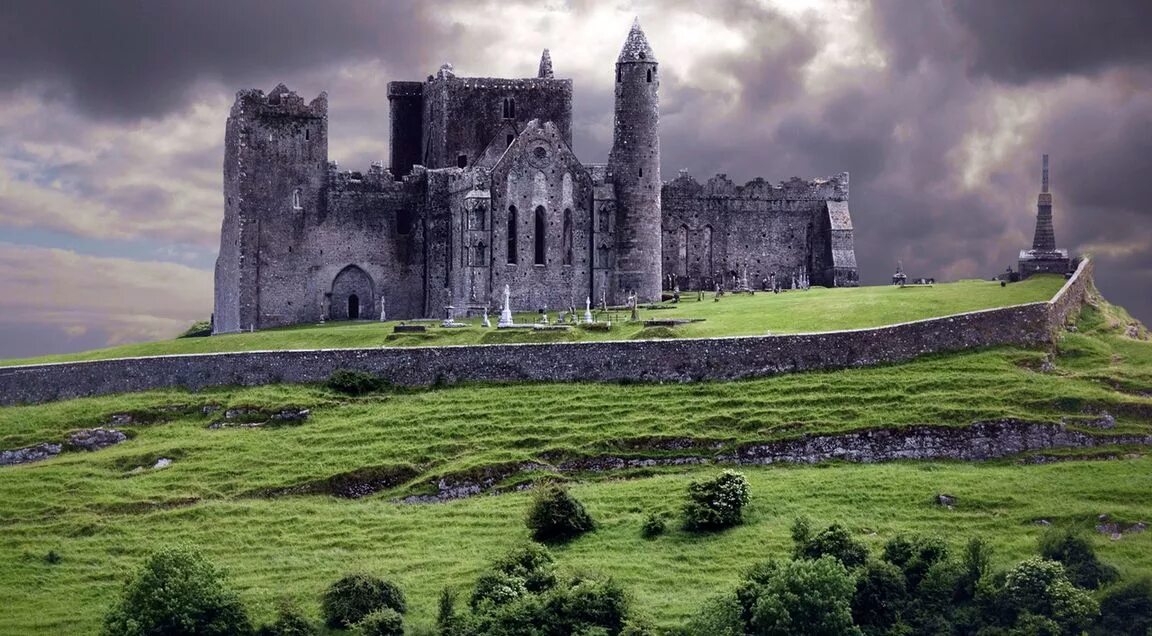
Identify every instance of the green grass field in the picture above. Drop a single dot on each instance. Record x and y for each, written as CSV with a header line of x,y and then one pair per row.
x,y
818,309
102,519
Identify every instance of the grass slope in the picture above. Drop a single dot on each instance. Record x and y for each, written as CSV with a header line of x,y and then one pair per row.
x,y
102,520
818,309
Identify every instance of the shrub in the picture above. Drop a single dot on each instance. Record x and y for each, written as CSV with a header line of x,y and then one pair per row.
x,y
810,597
720,616
199,329
654,526
557,516
914,556
836,542
580,606
529,569
354,382
177,592
353,597
1041,588
382,622
1079,558
290,621
1126,610
447,622
716,503
879,598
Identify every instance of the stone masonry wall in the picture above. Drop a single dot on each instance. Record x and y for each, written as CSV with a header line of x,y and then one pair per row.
x,y
685,360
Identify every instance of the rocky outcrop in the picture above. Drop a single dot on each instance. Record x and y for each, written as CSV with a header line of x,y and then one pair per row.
x,y
977,442
91,439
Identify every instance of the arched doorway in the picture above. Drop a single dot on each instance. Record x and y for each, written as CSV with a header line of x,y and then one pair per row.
x,y
353,295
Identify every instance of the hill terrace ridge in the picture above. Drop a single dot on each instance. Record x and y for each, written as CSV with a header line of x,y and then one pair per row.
x,y
484,191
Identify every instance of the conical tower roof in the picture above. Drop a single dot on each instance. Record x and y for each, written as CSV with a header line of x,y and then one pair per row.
x,y
636,47
545,71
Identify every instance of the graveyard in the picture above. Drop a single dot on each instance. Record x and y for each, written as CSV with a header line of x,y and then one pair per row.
x,y
696,315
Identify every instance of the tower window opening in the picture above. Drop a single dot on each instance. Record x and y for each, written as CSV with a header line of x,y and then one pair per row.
x,y
567,236
538,236
509,108
641,172
307,134
461,161
617,74
509,139
512,235
649,76
404,222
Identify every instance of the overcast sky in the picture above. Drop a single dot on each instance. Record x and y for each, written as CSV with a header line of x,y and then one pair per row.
x,y
112,126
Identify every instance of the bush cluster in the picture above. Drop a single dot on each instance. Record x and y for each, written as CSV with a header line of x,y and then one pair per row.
x,y
522,594
716,503
177,591
347,601
834,586
556,516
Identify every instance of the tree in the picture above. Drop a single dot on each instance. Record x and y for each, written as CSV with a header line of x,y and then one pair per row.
x,y
177,592
556,516
716,503
1126,610
382,622
1040,587
879,598
354,596
812,597
836,542
1079,558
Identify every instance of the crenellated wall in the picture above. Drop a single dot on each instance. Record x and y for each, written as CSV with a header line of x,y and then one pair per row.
x,y
715,231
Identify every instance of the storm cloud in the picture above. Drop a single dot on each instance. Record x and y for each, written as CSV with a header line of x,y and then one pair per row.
x,y
111,119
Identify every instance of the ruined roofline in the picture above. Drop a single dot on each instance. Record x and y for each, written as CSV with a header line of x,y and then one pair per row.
x,y
278,102
833,188
376,179
503,82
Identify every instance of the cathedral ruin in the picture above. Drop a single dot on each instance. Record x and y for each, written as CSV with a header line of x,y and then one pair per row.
x,y
483,190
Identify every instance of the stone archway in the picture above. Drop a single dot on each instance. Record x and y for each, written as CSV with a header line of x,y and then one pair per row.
x,y
353,295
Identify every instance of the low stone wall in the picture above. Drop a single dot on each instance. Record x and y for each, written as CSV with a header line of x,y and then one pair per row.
x,y
684,360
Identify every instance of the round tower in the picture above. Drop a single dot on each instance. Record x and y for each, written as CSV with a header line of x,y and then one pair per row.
x,y
635,167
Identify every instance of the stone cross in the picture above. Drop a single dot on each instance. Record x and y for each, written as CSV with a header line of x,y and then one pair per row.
x,y
383,316
506,312
486,323
588,310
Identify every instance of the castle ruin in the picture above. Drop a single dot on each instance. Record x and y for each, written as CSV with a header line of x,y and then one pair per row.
x,y
483,191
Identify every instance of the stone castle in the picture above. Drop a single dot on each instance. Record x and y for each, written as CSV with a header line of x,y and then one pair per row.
x,y
484,191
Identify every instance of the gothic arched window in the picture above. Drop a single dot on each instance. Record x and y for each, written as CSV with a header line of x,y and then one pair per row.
x,y
538,236
512,235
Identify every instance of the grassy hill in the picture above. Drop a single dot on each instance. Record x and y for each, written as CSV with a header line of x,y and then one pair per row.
x,y
229,490
818,309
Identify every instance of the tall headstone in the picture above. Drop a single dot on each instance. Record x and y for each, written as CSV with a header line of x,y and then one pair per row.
x,y
506,311
588,310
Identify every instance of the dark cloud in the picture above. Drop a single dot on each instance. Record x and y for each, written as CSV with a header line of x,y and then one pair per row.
x,y
132,58
1040,39
909,127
